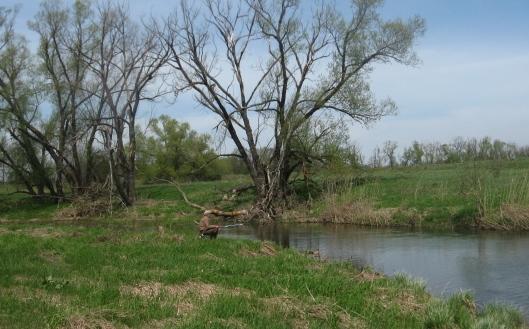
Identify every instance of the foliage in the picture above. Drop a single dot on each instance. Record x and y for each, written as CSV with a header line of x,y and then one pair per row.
x,y
460,150
323,144
175,151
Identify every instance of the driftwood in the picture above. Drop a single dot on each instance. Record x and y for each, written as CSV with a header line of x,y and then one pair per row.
x,y
217,212
206,211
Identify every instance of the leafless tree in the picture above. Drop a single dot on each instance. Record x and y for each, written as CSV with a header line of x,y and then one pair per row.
x,y
389,150
127,64
23,143
95,67
65,43
266,67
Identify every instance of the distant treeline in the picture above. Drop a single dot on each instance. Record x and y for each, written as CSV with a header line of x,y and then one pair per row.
x,y
457,151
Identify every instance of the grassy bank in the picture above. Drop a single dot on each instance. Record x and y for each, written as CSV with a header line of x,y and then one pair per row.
x,y
117,274
486,194
145,268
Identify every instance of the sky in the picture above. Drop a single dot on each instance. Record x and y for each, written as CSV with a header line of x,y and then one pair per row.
x,y
473,80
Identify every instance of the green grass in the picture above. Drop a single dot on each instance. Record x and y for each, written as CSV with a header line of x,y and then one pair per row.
x,y
128,272
443,195
122,274
155,201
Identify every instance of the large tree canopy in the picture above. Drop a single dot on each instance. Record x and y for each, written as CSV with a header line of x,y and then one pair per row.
x,y
267,67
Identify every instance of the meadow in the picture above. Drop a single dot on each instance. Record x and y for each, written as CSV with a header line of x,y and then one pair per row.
x,y
482,194
145,267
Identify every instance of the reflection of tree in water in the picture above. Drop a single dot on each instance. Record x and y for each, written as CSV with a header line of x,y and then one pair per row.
x,y
277,233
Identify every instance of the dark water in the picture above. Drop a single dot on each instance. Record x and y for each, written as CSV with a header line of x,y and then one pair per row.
x,y
494,266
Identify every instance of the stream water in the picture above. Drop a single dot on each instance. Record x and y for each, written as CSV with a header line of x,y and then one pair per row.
x,y
494,266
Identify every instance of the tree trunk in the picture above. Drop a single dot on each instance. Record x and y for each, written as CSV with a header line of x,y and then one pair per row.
x,y
131,174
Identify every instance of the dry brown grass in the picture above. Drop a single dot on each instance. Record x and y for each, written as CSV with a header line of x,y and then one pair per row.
x,y
232,323
514,216
406,300
160,324
22,278
43,232
368,276
78,321
144,290
287,305
25,294
300,312
358,212
84,207
185,298
509,217
52,257
266,249
150,290
200,289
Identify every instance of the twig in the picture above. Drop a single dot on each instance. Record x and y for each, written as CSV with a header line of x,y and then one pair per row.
x,y
313,299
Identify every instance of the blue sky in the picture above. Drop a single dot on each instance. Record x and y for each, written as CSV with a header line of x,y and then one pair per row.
x,y
473,80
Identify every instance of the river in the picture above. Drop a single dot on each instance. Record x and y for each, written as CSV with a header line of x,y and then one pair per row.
x,y
494,266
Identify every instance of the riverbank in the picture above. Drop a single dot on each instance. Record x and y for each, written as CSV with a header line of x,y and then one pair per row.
x,y
145,268
112,273
489,195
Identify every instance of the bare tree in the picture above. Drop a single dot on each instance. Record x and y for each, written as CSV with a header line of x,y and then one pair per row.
x,y
376,159
65,42
266,67
23,144
127,63
389,149
96,66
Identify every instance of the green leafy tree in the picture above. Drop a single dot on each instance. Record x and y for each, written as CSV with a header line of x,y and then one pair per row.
x,y
172,150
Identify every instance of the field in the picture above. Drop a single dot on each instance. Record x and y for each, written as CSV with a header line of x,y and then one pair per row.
x,y
488,194
145,268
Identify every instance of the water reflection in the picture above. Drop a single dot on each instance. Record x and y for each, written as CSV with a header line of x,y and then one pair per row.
x,y
494,266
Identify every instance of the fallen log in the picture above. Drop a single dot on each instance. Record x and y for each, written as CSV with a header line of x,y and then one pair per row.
x,y
221,213
206,211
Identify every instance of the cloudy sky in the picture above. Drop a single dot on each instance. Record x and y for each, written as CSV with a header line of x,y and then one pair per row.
x,y
473,80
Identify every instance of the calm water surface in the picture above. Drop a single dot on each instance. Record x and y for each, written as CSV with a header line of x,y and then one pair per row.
x,y
494,266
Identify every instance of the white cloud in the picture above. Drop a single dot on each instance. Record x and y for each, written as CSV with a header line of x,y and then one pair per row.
x,y
470,94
